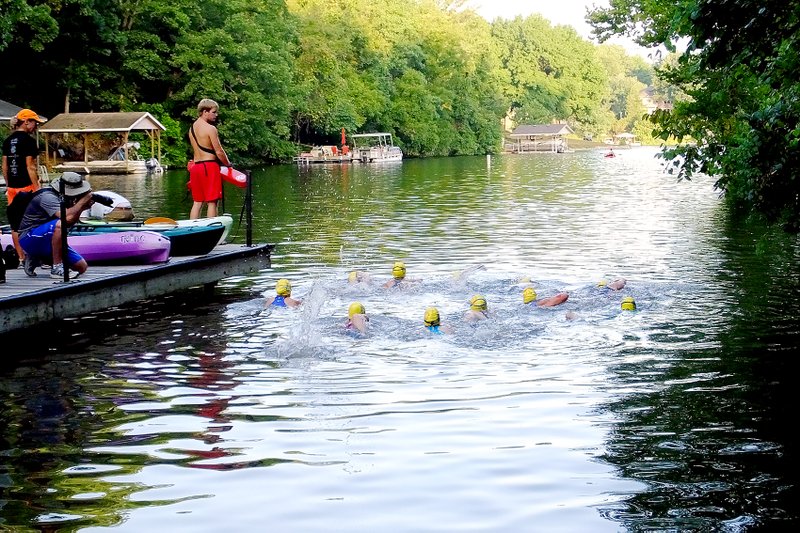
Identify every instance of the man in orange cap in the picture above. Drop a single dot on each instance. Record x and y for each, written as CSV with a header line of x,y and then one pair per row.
x,y
20,161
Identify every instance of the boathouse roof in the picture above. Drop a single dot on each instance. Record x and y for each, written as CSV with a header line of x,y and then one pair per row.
x,y
101,122
8,110
536,130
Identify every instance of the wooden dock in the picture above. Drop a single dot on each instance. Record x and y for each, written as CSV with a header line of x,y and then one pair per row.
x,y
28,301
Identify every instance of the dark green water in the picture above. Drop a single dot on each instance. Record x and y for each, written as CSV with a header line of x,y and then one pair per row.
x,y
195,414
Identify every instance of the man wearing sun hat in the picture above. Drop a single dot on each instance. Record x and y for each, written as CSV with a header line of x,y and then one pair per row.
x,y
41,226
20,165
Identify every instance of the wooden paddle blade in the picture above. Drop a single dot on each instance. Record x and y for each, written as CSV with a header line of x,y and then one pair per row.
x,y
161,220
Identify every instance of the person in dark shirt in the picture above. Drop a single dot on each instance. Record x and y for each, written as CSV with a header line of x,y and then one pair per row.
x,y
20,166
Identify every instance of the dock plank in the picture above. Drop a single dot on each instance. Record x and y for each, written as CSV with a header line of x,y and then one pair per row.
x,y
27,301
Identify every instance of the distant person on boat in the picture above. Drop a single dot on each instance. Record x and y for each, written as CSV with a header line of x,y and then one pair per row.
x,y
205,179
399,276
610,153
357,318
433,322
478,309
283,295
41,226
529,296
20,161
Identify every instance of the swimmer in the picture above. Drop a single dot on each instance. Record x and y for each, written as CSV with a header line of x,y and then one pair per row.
x,y
359,276
398,276
357,318
283,298
529,295
616,285
433,323
628,304
477,309
461,275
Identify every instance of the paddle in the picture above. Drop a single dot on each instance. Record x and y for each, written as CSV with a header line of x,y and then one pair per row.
x,y
161,220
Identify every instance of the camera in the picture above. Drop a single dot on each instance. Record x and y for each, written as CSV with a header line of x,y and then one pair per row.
x,y
105,200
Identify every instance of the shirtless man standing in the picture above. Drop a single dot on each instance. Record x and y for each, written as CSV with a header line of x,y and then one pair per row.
x,y
205,180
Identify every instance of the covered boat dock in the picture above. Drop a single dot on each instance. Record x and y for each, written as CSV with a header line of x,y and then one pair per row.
x,y
124,161
539,138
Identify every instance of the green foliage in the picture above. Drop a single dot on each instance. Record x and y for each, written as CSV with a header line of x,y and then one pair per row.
x,y
739,120
436,75
380,66
552,73
23,23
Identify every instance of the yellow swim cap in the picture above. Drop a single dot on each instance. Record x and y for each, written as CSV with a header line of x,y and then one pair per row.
x,y
628,304
399,270
283,287
352,277
431,317
477,303
528,295
602,283
356,308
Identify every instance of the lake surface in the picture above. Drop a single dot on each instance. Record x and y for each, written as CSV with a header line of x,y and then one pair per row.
x,y
196,414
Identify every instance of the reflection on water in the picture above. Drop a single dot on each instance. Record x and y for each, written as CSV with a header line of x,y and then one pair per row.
x,y
189,414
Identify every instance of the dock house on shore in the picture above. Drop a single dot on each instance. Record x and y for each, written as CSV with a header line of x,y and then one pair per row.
x,y
539,138
125,159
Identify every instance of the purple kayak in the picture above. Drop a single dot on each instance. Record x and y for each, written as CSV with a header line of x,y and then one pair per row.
x,y
117,248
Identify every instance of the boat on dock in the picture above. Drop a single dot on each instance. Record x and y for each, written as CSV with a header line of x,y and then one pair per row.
x,y
118,248
325,154
160,224
375,148
184,240
367,148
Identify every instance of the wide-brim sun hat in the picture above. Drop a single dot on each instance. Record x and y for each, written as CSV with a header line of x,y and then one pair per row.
x,y
74,184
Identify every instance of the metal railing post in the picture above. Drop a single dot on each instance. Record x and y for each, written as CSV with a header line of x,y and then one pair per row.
x,y
64,230
248,205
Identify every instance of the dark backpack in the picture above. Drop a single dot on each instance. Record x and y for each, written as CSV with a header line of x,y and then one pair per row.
x,y
16,210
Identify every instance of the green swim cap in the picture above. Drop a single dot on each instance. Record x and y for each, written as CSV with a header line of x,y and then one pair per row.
x,y
431,317
399,270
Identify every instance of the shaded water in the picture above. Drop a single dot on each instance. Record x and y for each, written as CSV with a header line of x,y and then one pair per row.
x,y
189,414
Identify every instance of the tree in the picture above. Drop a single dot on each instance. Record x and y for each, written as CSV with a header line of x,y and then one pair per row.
x,y
551,73
740,120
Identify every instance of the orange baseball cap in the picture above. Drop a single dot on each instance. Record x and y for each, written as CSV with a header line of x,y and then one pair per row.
x,y
27,114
